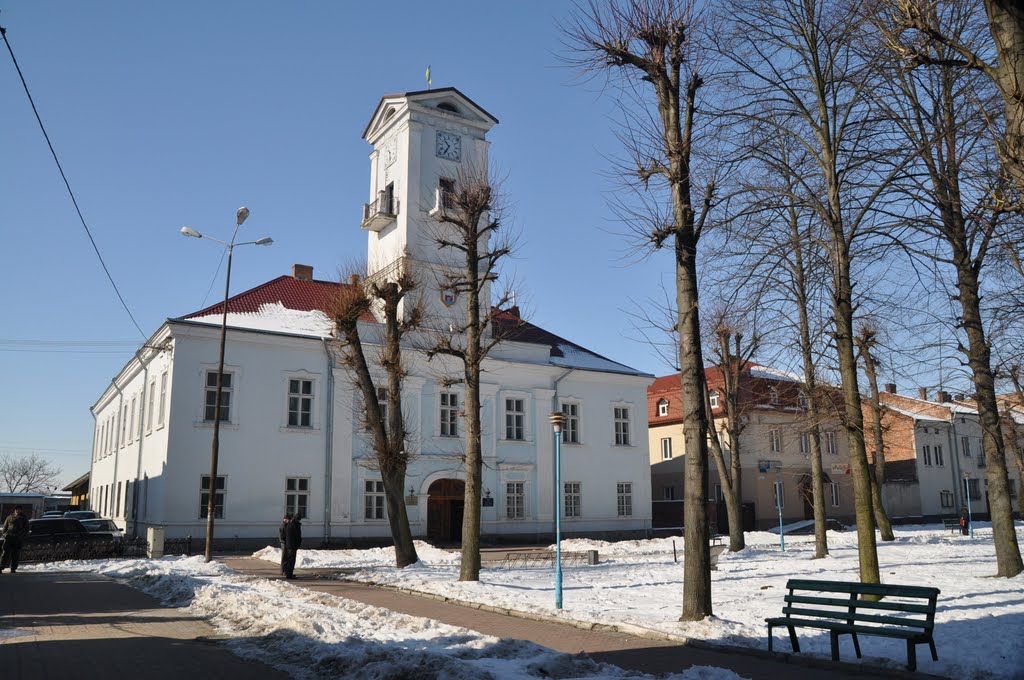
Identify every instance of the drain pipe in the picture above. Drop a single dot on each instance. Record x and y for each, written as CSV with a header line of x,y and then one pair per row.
x,y
328,442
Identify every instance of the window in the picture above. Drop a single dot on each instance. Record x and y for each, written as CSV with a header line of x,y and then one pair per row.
x,y
719,496
117,501
773,395
149,408
373,499
666,448
621,417
382,404
300,403
211,397
830,443
973,489
779,494
624,499
965,446
571,504
204,497
1011,488
446,191
926,453
296,496
124,427
663,407
804,401
938,455
982,462
515,418
668,493
834,487
449,414
131,422
163,398
515,500
713,398
571,429
775,441
805,443
946,498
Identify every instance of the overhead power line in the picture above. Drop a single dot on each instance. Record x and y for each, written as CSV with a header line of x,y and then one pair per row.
x,y
28,93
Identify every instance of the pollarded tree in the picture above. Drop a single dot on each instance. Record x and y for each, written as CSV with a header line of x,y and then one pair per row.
x,y
385,423
866,341
654,50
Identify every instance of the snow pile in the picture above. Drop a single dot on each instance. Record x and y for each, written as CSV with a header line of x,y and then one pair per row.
x,y
639,584
278,318
356,559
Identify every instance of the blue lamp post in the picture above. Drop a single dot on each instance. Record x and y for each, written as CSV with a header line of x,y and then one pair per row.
x,y
558,419
778,505
240,216
967,494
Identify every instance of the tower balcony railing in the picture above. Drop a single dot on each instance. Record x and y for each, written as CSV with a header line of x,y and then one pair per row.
x,y
381,212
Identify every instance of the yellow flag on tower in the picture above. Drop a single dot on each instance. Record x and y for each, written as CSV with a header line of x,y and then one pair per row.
x,y
430,81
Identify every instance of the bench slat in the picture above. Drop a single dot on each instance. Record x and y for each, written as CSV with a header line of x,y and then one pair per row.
x,y
862,588
858,617
911,607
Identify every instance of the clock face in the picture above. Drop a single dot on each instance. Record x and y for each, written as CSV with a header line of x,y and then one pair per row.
x,y
449,146
390,152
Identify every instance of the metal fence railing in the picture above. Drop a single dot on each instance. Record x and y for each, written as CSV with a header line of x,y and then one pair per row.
x,y
90,550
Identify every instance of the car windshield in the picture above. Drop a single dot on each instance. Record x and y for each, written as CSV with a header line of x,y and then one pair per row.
x,y
99,525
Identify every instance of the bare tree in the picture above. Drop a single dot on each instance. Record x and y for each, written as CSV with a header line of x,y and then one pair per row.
x,y
804,79
468,225
866,341
943,113
28,474
386,426
653,48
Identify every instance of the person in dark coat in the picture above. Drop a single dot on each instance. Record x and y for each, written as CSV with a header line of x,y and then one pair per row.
x,y
292,541
15,529
282,533
964,520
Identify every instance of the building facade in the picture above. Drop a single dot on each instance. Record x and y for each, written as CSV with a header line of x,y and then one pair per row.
x,y
292,437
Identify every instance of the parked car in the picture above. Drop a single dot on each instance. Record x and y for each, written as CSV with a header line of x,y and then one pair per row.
x,y
82,514
105,527
53,513
63,538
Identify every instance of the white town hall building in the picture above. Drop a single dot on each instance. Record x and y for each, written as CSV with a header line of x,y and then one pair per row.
x,y
291,435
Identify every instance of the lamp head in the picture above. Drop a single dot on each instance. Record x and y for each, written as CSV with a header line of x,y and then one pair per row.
x,y
242,213
265,241
557,419
189,231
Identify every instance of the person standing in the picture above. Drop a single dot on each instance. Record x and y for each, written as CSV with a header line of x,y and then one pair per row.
x,y
282,535
14,531
964,520
292,541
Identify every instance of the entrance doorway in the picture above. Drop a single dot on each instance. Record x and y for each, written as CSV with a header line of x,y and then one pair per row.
x,y
446,501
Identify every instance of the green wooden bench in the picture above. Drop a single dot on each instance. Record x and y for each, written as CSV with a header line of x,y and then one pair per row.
x,y
904,612
951,524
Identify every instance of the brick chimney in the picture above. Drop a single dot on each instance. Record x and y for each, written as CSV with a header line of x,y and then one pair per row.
x,y
302,272
890,388
354,279
922,393
958,397
942,396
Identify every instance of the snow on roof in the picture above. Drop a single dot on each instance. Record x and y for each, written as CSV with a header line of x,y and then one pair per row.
x,y
769,373
576,357
277,318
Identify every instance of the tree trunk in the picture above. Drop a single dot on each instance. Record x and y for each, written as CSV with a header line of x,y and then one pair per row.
x,y
470,569
1008,557
398,518
878,478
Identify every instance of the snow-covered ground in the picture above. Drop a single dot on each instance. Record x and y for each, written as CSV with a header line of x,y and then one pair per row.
x,y
979,629
979,625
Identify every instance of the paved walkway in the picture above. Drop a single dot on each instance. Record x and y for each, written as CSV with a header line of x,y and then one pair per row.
x,y
80,626
626,651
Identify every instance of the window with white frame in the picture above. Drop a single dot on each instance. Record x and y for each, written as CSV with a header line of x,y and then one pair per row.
x,y
965,446
515,419
572,502
218,497
982,462
296,496
946,498
571,429
131,422
124,427
775,440
773,395
926,454
210,410
834,488
300,402
713,398
804,401
830,443
163,399
624,499
663,407
938,455
117,501
621,418
973,489
666,448
149,407
449,414
779,494
373,499
515,500
805,443
1011,488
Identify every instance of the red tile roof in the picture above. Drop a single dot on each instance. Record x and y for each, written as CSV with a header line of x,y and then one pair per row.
x,y
755,392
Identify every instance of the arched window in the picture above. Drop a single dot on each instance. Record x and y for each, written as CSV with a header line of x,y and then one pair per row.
x,y
448,106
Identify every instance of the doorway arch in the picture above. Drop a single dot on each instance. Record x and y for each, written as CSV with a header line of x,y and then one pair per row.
x,y
446,501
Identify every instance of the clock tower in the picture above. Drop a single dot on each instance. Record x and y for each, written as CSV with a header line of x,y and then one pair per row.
x,y
423,142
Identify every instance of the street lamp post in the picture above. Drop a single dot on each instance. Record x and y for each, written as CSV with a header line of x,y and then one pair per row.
x,y
778,505
242,213
558,420
967,494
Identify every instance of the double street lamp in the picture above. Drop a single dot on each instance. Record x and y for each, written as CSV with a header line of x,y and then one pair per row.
x,y
242,213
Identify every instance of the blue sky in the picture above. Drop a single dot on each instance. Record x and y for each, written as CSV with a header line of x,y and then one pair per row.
x,y
171,114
